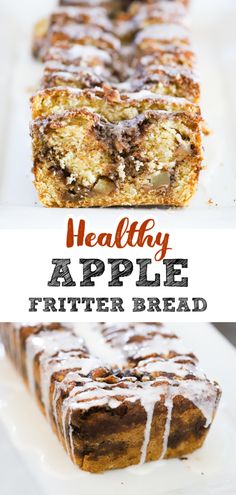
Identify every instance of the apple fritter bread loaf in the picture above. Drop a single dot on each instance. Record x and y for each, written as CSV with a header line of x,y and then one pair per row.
x,y
116,120
157,404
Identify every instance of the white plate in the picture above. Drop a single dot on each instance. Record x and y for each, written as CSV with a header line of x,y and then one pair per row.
x,y
214,39
29,449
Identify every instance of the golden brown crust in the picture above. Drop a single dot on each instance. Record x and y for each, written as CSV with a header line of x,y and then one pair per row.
x,y
40,34
125,162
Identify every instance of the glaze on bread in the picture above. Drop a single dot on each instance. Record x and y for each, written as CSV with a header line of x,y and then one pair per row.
x,y
158,404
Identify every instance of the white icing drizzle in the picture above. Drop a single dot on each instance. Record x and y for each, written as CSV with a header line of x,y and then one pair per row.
x,y
162,342
202,394
158,344
63,362
173,71
162,8
119,333
145,94
57,67
169,406
163,32
149,411
71,11
90,17
171,365
66,76
87,2
79,32
50,343
16,343
86,53
71,438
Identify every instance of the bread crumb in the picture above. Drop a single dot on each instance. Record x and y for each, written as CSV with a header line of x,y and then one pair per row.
x,y
211,202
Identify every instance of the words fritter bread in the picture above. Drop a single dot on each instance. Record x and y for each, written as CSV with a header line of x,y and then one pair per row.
x,y
159,404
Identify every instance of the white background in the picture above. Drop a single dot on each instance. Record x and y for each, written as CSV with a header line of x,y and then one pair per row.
x,y
26,267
